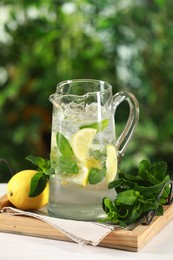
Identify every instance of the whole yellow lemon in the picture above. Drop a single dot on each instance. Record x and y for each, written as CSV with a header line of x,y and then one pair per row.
x,y
18,189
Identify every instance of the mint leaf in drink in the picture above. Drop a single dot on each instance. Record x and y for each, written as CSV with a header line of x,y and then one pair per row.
x,y
96,175
99,126
66,165
98,154
38,184
64,145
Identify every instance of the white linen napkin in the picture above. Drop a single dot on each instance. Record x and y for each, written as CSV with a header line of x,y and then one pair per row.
x,y
81,232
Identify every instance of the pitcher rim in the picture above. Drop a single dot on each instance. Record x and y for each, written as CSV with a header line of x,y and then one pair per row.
x,y
62,83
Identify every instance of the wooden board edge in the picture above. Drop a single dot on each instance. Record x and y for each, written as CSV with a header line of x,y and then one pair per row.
x,y
145,233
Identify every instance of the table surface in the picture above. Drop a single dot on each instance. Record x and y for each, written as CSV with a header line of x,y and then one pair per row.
x,y
18,247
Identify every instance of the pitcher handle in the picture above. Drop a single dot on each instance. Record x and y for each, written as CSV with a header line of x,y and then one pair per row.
x,y
132,121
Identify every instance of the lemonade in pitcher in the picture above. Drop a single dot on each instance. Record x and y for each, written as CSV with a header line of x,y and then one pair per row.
x,y
83,152
83,164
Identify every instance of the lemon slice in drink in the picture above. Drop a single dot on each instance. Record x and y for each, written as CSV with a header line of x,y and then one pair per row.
x,y
80,179
81,142
111,163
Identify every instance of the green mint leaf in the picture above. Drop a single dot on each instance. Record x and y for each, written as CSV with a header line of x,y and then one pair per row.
x,y
153,189
114,215
151,178
107,205
159,211
122,184
96,175
38,161
38,184
49,171
144,166
109,208
128,197
132,177
66,165
156,173
114,184
159,170
64,145
99,126
135,212
42,164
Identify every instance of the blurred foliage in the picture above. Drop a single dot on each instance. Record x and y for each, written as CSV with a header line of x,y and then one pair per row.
x,y
127,43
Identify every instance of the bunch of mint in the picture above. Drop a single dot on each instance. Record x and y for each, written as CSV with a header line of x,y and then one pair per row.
x,y
138,193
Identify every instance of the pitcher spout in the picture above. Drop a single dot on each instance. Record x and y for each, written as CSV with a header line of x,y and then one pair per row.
x,y
54,100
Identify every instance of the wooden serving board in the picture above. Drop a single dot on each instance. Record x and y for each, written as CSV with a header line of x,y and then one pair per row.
x,y
130,240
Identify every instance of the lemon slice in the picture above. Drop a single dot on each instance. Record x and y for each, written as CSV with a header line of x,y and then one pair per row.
x,y
111,163
81,142
81,178
93,163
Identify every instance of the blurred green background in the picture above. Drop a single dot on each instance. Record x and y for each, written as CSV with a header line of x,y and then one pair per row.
x,y
125,42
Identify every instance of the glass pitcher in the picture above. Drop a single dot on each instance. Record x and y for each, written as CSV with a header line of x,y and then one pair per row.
x,y
84,148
